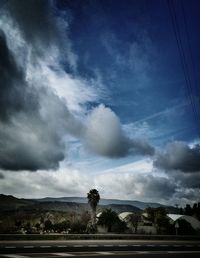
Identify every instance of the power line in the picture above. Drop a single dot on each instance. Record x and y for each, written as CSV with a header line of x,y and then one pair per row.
x,y
190,49
183,59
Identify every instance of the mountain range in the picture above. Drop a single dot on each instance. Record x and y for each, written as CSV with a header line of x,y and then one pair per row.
x,y
138,204
69,204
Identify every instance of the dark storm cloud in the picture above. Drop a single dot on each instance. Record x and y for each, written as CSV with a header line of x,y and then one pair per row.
x,y
159,187
188,195
33,119
35,20
29,142
192,181
137,185
1,176
14,95
33,139
26,140
188,180
179,156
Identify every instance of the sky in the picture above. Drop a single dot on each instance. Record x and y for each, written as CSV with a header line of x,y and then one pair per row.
x,y
100,94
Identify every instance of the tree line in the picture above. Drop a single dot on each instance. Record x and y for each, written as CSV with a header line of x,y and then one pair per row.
x,y
191,210
88,222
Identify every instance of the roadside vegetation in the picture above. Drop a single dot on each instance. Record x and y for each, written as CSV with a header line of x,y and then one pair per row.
x,y
94,220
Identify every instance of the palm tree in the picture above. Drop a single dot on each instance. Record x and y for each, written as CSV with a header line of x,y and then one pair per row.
x,y
93,199
108,218
134,219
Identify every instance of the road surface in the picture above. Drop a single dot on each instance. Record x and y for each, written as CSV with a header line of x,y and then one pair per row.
x,y
100,248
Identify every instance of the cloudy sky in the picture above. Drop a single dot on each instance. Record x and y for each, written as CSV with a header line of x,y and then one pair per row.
x,y
100,93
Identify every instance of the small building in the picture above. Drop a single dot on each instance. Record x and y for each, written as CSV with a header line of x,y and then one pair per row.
x,y
100,228
193,221
124,215
144,226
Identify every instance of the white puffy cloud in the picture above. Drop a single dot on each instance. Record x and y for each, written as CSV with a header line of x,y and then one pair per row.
x,y
133,181
105,136
63,182
41,103
74,90
104,133
133,184
38,98
124,182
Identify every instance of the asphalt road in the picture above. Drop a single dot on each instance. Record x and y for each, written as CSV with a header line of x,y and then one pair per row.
x,y
139,254
99,248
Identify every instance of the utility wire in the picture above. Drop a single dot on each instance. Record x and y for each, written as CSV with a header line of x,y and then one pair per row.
x,y
190,52
185,68
183,59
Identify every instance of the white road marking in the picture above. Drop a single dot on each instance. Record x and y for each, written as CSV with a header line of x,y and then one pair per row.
x,y
61,246
77,245
184,252
142,252
10,246
62,254
15,256
104,253
45,246
150,245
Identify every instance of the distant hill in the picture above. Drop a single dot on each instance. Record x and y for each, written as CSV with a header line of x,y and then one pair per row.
x,y
69,204
138,204
57,206
122,208
9,202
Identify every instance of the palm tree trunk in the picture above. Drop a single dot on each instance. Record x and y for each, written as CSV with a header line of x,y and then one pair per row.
x,y
94,216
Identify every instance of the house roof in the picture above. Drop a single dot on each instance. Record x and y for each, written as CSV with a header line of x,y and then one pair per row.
x,y
174,217
123,215
98,214
193,221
